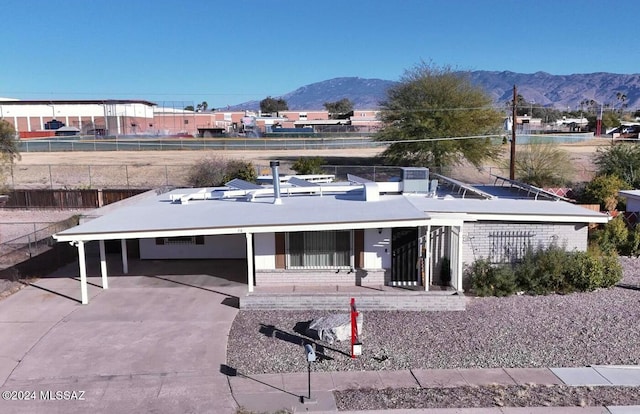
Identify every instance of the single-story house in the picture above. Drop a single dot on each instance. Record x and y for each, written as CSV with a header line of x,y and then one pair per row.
x,y
417,231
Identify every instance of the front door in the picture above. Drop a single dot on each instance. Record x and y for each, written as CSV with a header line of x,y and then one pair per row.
x,y
404,257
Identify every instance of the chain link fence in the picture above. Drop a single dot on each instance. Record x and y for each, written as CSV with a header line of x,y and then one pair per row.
x,y
97,176
318,141
34,239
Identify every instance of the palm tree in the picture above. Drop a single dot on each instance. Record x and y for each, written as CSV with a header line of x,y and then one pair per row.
x,y
621,97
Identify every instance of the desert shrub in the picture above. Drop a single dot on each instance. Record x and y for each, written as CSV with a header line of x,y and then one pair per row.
x,y
621,160
216,171
611,270
584,272
548,270
603,190
543,164
488,280
633,242
613,236
308,165
240,169
526,274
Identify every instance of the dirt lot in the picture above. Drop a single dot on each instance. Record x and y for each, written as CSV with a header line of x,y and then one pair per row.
x,y
157,168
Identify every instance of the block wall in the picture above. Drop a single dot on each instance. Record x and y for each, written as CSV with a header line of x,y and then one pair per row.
x,y
295,277
477,243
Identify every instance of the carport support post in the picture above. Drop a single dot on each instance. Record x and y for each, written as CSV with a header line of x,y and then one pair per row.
x,y
103,266
83,273
125,262
459,264
427,260
249,261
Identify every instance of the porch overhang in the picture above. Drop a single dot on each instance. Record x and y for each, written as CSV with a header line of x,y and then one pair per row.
x,y
70,236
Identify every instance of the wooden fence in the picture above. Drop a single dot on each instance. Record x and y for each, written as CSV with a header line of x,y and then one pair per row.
x,y
67,199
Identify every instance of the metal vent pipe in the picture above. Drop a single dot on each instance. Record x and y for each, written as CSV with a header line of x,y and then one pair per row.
x,y
276,181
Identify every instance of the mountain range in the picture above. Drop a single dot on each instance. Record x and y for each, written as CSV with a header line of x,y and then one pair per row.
x,y
540,88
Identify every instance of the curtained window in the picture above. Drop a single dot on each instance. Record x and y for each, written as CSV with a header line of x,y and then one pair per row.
x,y
319,249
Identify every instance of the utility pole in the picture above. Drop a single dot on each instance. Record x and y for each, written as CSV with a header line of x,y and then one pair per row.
x,y
512,159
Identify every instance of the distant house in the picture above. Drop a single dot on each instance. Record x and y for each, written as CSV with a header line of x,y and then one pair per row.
x,y
67,131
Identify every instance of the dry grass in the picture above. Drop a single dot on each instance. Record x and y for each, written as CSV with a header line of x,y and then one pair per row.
x,y
148,169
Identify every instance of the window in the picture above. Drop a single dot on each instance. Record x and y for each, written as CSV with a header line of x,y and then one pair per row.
x,y
319,249
180,240
509,246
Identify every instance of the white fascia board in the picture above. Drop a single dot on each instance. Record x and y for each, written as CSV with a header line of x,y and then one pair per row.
x,y
239,230
540,218
449,219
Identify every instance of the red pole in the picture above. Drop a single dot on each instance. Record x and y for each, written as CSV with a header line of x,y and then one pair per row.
x,y
512,158
354,326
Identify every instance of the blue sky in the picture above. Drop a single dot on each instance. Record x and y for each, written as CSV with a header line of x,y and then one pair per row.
x,y
228,52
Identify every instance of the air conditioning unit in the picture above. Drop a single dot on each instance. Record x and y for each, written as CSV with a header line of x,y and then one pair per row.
x,y
415,180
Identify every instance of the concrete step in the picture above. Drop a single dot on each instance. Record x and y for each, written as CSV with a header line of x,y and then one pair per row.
x,y
327,301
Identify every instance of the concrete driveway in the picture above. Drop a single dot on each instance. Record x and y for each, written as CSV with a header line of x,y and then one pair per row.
x,y
147,344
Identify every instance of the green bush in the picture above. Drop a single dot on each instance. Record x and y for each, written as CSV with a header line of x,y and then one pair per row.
x,y
544,271
308,165
584,272
216,171
240,169
603,190
550,266
613,236
488,280
611,270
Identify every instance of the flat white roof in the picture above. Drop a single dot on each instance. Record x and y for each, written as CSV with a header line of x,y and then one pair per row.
x,y
157,216
511,209
629,193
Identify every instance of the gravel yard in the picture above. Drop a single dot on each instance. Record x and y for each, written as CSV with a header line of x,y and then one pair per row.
x,y
487,396
519,331
15,223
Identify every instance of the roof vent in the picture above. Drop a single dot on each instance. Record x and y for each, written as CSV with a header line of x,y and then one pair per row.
x,y
276,181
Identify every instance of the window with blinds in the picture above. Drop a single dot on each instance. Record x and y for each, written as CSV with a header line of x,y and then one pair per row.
x,y
180,240
319,249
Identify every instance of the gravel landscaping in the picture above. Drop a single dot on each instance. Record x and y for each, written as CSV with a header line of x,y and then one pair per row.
x,y
489,396
572,330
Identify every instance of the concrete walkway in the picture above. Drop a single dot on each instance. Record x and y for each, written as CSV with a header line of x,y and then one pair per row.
x,y
158,344
270,392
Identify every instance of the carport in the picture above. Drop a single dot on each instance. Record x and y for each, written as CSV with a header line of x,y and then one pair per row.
x,y
81,240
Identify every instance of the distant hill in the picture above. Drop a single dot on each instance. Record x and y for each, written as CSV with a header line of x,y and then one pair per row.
x,y
560,91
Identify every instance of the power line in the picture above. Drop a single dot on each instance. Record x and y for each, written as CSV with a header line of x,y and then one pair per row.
x,y
440,139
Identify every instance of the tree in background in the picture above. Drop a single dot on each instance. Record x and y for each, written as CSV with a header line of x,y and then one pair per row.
x,y
621,160
337,108
9,152
431,103
272,105
618,169
524,107
603,190
543,164
610,119
216,171
202,107
189,108
622,97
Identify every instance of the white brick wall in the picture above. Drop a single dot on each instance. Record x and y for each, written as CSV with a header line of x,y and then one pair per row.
x,y
477,243
329,277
